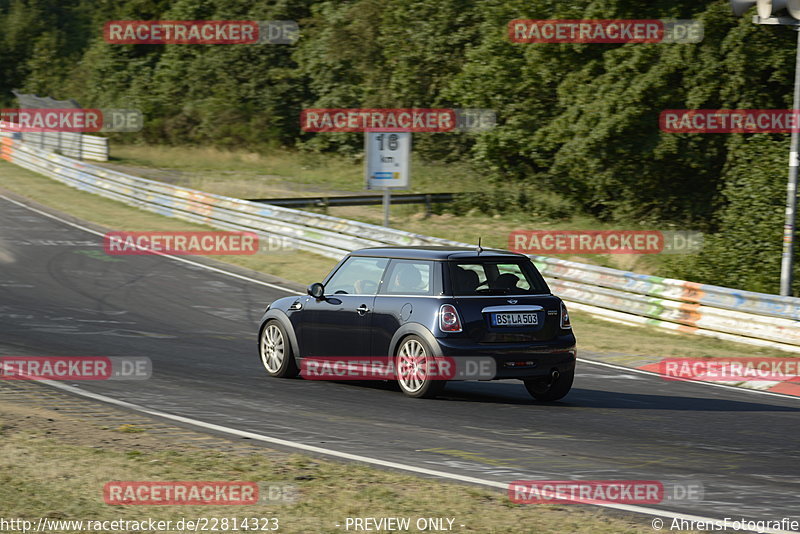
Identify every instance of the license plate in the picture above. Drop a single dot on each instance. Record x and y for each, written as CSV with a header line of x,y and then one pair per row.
x,y
515,319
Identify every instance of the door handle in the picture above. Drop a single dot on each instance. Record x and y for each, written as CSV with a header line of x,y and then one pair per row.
x,y
362,309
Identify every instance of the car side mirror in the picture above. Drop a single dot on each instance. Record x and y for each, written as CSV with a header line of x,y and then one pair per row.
x,y
316,290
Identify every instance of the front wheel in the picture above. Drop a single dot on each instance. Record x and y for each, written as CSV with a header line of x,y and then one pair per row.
x,y
547,390
276,352
414,363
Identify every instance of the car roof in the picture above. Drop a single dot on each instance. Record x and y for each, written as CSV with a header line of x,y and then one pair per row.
x,y
436,253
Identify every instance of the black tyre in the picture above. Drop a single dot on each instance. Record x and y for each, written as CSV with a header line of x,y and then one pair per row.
x,y
547,390
411,365
275,351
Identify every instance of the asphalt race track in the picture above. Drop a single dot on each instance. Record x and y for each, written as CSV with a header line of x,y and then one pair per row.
x,y
60,295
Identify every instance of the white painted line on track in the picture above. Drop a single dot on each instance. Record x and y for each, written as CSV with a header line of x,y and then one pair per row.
x,y
363,459
293,292
698,382
154,253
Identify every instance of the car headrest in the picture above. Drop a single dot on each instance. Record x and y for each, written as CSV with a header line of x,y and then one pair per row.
x,y
408,277
506,281
467,279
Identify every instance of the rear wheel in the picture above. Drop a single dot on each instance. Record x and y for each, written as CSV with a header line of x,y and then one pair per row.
x,y
413,363
547,389
276,351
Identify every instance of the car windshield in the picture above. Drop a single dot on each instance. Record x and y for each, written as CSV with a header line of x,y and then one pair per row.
x,y
498,277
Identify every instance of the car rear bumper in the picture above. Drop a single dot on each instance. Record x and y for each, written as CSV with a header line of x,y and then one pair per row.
x,y
515,361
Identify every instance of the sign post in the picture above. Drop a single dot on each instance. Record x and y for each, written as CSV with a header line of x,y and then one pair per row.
x,y
387,164
783,13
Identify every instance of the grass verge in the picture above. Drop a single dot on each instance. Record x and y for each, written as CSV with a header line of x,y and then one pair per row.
x,y
51,467
304,173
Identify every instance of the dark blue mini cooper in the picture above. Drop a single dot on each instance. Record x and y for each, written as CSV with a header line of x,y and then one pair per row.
x,y
413,306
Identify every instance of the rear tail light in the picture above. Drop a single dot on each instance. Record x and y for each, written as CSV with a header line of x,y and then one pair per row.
x,y
448,319
565,324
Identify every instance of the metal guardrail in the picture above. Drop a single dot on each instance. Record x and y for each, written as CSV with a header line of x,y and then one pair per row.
x,y
356,200
754,318
74,145
94,147
330,236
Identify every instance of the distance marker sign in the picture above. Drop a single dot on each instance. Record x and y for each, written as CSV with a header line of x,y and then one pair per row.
x,y
387,164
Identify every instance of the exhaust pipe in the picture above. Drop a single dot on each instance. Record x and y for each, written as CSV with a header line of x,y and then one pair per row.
x,y
554,374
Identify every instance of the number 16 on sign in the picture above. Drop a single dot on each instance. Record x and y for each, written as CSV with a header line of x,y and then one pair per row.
x,y
387,164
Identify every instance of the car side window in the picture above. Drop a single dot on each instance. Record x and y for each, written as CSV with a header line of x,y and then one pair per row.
x,y
409,277
358,276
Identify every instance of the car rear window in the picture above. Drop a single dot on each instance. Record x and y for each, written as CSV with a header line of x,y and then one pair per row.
x,y
498,277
